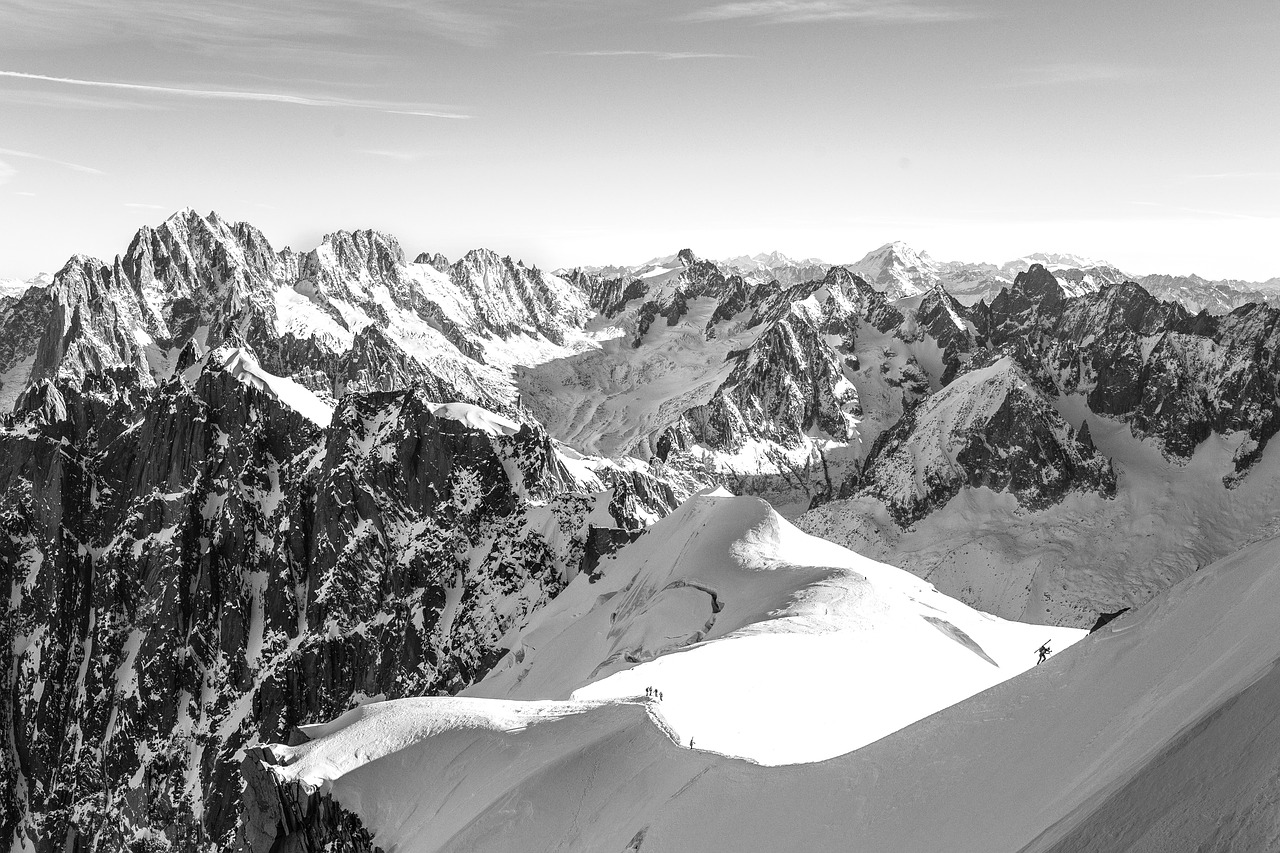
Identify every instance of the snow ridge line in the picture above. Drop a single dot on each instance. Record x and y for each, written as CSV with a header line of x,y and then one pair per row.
x,y
660,721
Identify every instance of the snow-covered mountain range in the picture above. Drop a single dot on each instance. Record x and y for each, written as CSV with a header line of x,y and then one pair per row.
x,y
249,490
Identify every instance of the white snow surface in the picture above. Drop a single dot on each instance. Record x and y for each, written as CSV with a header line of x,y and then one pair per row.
x,y
1067,563
476,417
608,400
897,270
243,366
1013,768
739,619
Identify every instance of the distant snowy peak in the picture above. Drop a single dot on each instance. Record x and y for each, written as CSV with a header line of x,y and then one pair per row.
x,y
14,288
898,270
662,266
351,314
762,267
1216,297
766,261
1051,260
433,259
775,266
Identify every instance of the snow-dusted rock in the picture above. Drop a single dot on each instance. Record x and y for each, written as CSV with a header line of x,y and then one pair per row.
x,y
993,428
199,566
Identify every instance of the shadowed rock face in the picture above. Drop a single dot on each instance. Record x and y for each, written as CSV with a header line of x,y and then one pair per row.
x,y
201,569
994,427
791,379
287,818
1172,376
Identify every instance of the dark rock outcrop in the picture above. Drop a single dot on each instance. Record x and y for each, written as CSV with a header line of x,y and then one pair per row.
x,y
991,428
201,569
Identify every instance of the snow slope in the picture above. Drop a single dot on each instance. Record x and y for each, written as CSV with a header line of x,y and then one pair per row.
x,y
739,619
605,401
1070,562
243,366
897,269
1065,748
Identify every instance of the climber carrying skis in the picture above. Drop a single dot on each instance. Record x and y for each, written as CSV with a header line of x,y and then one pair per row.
x,y
1044,652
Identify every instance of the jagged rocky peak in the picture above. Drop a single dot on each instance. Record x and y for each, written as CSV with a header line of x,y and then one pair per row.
x,y
994,426
844,298
510,298
1131,306
188,250
1033,293
1052,260
42,403
192,271
687,257
187,273
433,259
485,262
364,255
1038,283
775,266
485,266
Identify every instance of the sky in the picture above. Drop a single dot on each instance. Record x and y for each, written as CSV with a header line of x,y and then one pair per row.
x,y
568,132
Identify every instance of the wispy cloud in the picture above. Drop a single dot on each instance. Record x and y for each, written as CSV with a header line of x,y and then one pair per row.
x,y
26,193
813,11
145,206
1227,214
64,99
650,54
1237,176
27,155
402,156
6,172
317,27
1067,73
429,110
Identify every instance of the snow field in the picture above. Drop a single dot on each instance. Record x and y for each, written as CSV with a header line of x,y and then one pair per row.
x,y
994,772
766,644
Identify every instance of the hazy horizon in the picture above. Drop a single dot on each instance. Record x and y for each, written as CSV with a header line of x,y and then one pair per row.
x,y
411,252
568,133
